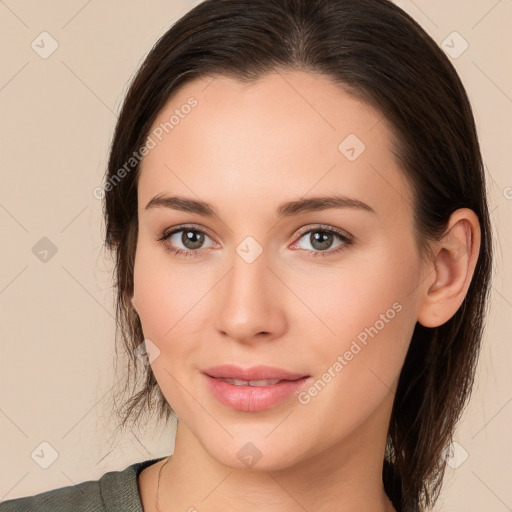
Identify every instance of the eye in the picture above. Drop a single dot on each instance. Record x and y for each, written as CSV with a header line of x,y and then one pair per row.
x,y
321,239
189,237
192,239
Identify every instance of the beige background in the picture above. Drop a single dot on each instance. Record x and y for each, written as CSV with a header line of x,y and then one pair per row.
x,y
58,115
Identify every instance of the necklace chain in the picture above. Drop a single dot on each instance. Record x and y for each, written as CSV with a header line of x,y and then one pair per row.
x,y
158,484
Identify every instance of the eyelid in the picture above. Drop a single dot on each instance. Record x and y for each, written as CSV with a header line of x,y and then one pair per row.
x,y
176,229
299,233
323,227
345,237
164,239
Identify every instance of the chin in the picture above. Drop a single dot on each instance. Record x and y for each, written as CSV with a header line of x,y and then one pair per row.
x,y
254,451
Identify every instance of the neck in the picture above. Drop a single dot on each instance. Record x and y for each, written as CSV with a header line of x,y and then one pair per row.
x,y
348,475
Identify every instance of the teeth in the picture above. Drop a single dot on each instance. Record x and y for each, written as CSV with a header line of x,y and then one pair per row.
x,y
265,382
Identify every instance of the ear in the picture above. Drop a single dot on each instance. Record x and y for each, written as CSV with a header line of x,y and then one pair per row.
x,y
455,258
132,300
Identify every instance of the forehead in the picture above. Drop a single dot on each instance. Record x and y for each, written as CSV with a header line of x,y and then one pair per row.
x,y
288,133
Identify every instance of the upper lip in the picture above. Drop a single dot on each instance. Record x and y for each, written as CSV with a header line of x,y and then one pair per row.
x,y
260,372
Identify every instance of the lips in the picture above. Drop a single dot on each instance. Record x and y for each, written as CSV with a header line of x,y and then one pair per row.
x,y
262,382
252,389
254,373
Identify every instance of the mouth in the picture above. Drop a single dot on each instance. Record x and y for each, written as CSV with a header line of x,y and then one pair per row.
x,y
255,383
252,389
252,374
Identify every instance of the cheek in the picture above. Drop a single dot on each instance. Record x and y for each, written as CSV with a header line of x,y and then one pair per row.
x,y
367,290
172,300
167,295
371,311
167,300
359,374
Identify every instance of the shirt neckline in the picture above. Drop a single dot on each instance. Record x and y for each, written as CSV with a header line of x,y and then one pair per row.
x,y
119,489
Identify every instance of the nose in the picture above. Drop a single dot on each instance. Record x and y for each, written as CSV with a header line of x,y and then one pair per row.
x,y
251,304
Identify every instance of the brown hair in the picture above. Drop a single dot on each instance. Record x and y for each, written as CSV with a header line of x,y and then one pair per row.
x,y
382,56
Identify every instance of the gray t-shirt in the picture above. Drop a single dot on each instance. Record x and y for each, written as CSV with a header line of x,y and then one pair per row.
x,y
115,491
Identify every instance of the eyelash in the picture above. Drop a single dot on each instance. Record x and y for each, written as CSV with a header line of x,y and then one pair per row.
x,y
347,241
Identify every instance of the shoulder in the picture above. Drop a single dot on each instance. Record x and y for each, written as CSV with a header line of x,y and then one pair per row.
x,y
83,497
114,491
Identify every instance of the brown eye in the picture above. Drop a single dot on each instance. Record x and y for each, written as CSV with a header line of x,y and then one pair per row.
x,y
191,238
321,241
185,240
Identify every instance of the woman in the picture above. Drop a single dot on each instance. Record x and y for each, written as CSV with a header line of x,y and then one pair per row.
x,y
296,201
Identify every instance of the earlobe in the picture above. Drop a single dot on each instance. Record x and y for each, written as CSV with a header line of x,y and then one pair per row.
x,y
454,264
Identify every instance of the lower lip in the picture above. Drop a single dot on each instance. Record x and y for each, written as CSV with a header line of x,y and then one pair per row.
x,y
253,398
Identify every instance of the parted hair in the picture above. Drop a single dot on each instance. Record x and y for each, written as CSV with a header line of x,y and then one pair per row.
x,y
378,53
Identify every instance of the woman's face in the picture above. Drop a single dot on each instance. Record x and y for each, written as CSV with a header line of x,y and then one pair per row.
x,y
270,284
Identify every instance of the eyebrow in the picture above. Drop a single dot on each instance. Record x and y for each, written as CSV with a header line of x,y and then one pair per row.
x,y
288,209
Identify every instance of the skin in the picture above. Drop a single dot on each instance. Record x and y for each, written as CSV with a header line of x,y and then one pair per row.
x,y
247,149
